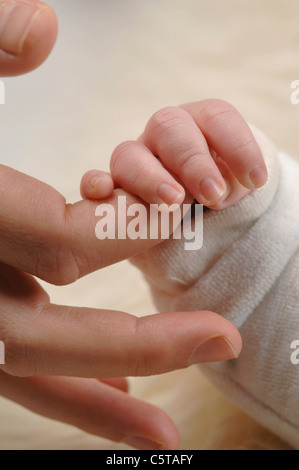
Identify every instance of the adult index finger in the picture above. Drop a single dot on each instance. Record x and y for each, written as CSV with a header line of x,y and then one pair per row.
x,y
58,242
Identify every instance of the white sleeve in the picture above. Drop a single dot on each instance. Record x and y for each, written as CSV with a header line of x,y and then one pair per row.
x,y
248,271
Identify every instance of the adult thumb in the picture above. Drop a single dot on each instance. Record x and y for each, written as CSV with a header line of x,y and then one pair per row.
x,y
28,30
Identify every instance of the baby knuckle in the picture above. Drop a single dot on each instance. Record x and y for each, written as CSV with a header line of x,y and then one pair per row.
x,y
166,118
187,160
244,147
213,109
119,154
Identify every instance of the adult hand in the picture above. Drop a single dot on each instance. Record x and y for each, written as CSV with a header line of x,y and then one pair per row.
x,y
54,354
42,236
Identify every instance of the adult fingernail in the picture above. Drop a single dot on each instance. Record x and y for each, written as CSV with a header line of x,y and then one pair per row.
x,y
215,349
210,190
16,21
170,194
142,443
257,177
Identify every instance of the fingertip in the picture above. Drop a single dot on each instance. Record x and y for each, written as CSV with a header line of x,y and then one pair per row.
x,y
161,434
27,35
211,190
219,339
232,336
43,34
96,185
258,177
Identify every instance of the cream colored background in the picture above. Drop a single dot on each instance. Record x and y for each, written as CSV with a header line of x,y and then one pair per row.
x,y
115,63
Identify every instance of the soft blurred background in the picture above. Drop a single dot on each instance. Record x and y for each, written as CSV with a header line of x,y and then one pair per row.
x,y
115,63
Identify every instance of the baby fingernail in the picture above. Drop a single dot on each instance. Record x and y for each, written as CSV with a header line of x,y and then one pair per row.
x,y
94,180
142,443
169,194
210,190
257,177
16,20
215,349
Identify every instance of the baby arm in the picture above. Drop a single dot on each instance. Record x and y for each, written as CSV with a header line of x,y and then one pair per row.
x,y
248,267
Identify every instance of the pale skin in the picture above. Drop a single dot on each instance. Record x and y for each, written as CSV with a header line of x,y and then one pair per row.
x,y
204,148
68,363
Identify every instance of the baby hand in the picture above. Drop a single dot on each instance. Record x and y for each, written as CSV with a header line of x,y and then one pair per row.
x,y
204,147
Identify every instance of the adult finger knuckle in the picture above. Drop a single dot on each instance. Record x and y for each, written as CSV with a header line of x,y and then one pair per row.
x,y
57,262
149,355
22,335
47,249
58,265
17,360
